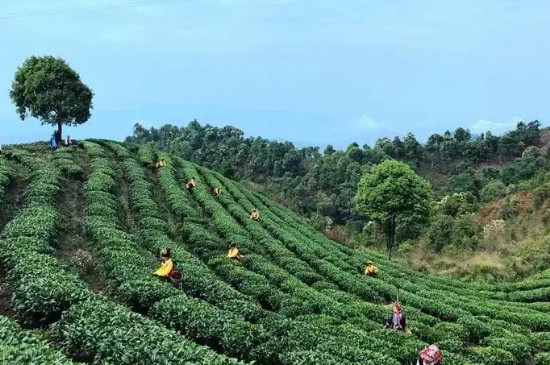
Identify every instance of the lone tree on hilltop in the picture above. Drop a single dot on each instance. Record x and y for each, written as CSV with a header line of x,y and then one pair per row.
x,y
391,191
48,89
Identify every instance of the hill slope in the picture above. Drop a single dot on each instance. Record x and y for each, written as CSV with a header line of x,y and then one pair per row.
x,y
81,228
322,184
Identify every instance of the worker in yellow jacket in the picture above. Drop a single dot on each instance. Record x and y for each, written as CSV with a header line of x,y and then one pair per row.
x,y
234,252
371,270
160,163
191,184
166,268
255,215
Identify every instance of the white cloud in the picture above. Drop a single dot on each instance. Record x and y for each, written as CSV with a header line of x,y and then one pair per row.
x,y
365,123
484,125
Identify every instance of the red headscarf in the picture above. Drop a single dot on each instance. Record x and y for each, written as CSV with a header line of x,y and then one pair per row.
x,y
431,353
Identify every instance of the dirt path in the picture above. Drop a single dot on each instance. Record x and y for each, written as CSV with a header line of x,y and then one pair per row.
x,y
14,196
71,243
173,224
13,201
128,217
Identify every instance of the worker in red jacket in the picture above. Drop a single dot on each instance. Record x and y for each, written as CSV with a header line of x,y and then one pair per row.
x,y
430,355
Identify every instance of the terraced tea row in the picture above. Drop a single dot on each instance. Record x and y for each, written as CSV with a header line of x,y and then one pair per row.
x,y
212,206
271,324
19,347
90,328
295,298
501,329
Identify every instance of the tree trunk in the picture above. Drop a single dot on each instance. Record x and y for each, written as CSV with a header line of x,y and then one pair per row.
x,y
390,242
393,228
59,131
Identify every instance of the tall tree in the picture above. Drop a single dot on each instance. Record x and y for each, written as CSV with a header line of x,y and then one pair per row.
x,y
329,150
390,191
433,142
462,135
48,89
411,148
385,146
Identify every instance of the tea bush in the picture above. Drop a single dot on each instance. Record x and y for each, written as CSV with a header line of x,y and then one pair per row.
x,y
296,297
19,347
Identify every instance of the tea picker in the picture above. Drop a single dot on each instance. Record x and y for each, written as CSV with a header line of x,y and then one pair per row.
x,y
166,270
254,214
397,320
159,164
234,253
430,355
190,185
371,270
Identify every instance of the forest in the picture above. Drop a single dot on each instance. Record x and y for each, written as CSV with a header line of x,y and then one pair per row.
x,y
465,172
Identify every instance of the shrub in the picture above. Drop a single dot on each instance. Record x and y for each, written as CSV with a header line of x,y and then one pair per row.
x,y
491,356
531,151
494,189
146,154
476,330
440,230
44,288
541,341
210,325
542,358
100,331
19,347
465,232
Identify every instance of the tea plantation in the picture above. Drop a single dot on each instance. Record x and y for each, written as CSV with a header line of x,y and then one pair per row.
x,y
81,229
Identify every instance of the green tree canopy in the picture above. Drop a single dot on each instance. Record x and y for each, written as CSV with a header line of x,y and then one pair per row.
x,y
48,89
329,150
531,151
390,191
311,182
464,182
493,190
412,149
440,231
462,135
455,204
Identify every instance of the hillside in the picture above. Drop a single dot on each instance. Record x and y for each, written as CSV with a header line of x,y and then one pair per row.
x,y
321,184
500,240
466,173
81,229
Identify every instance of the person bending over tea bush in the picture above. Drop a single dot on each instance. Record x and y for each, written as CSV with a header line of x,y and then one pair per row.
x,y
371,270
397,320
234,253
166,268
430,355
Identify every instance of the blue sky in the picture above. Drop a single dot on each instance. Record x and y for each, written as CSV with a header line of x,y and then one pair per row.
x,y
313,72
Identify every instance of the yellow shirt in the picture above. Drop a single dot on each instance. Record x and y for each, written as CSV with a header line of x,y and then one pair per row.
x,y
165,268
233,252
371,269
